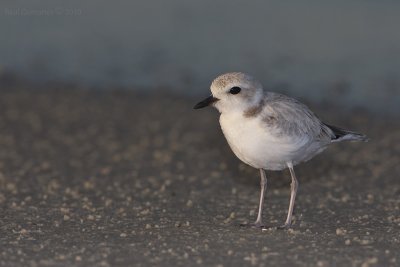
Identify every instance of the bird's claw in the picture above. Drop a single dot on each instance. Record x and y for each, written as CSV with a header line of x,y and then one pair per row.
x,y
286,226
253,225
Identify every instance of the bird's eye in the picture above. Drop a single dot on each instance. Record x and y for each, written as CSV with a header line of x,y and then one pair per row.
x,y
235,90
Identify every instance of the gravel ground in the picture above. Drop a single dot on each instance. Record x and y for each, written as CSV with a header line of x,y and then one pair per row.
x,y
119,178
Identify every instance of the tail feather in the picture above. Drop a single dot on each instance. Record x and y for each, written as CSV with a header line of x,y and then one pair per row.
x,y
345,135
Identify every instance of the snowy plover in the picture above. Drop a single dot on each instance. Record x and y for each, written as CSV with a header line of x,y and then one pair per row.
x,y
270,131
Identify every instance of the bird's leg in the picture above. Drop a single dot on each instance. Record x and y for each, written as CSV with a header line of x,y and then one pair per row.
x,y
293,186
263,184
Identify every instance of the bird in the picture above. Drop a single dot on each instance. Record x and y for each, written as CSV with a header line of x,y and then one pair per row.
x,y
270,131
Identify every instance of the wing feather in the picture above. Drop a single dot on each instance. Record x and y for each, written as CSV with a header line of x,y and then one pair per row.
x,y
287,116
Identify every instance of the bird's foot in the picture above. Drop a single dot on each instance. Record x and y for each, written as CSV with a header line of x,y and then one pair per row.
x,y
253,225
286,226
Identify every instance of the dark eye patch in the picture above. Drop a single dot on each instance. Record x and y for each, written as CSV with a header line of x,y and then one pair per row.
x,y
235,90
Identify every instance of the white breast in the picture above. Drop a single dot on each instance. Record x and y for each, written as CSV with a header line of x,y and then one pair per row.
x,y
257,145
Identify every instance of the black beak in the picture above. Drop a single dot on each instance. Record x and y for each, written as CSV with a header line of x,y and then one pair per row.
x,y
206,102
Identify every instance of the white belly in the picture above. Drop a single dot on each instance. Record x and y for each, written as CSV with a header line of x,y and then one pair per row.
x,y
255,144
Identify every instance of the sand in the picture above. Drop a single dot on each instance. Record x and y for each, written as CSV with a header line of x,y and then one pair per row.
x,y
119,178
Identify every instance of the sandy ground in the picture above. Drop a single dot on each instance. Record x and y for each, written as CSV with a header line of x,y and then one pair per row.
x,y
124,179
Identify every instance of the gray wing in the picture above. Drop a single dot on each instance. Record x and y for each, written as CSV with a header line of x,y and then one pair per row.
x,y
287,116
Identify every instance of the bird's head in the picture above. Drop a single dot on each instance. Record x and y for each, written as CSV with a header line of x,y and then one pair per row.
x,y
233,92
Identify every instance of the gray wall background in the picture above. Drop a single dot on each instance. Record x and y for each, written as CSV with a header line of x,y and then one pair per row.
x,y
346,52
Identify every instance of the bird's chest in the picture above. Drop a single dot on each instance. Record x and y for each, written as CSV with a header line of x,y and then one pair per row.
x,y
247,138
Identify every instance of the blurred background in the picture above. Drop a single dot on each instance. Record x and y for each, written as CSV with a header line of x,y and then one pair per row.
x,y
346,52
104,162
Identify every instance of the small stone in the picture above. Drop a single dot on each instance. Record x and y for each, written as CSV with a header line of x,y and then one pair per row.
x,y
365,242
340,231
23,232
293,232
145,212
369,262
